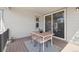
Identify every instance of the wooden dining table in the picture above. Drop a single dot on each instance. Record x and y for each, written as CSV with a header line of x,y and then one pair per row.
x,y
42,37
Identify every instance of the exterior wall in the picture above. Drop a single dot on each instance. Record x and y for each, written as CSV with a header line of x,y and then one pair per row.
x,y
20,23
41,22
72,22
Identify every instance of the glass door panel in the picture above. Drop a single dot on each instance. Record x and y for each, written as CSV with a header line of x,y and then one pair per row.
x,y
48,23
58,24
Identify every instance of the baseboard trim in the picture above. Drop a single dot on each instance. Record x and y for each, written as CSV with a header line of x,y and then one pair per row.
x,y
60,38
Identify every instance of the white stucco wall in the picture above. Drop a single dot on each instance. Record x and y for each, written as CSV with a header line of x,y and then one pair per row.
x,y
72,22
42,22
20,23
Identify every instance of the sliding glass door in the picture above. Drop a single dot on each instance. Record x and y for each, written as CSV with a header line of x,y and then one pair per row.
x,y
47,23
58,24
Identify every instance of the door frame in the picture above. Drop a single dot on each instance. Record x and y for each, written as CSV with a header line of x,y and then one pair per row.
x,y
65,22
45,21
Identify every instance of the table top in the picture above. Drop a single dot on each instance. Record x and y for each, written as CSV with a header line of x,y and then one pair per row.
x,y
42,34
42,37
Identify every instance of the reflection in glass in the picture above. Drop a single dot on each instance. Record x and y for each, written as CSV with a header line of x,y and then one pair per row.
x,y
48,23
58,24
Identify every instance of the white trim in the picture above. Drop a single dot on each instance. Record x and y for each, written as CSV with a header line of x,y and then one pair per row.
x,y
65,21
44,24
6,45
58,38
44,20
65,36
51,23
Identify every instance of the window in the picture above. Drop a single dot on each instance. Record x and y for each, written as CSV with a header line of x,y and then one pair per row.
x,y
2,27
37,22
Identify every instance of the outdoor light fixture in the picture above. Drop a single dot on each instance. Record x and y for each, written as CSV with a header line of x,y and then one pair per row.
x,y
77,8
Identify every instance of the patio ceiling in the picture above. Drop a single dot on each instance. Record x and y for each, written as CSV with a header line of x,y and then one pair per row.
x,y
39,10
